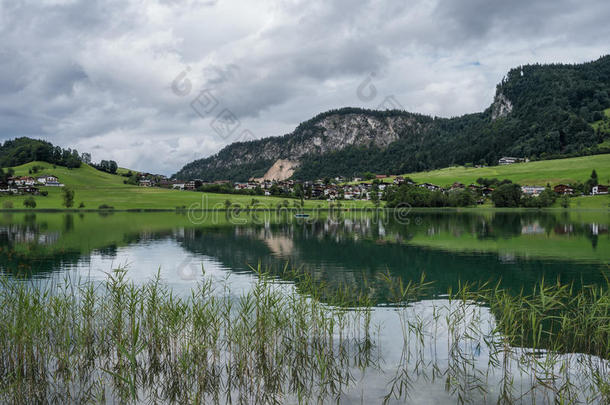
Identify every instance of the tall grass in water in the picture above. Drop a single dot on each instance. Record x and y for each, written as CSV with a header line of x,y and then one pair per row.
x,y
118,342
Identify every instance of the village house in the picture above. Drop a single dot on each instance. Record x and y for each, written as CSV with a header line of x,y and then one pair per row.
x,y
25,181
145,183
507,160
563,189
47,179
429,186
399,180
599,189
457,186
532,190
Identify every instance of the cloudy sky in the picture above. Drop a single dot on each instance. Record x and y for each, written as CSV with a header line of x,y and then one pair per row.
x,y
155,84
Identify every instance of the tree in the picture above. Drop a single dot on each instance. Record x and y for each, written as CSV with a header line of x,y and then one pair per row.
x,y
68,197
594,177
375,194
547,197
507,195
86,157
29,202
298,192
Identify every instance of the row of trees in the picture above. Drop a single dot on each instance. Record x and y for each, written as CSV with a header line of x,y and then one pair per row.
x,y
416,196
23,150
108,166
511,195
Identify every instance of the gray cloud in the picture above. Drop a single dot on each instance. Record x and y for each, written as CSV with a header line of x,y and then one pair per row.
x,y
97,74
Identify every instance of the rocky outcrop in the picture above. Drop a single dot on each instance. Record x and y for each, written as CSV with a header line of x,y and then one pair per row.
x,y
501,107
282,169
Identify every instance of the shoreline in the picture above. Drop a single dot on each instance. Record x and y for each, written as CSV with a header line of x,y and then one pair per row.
x,y
297,210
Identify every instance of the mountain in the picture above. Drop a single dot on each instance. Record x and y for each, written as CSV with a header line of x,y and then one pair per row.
x,y
539,111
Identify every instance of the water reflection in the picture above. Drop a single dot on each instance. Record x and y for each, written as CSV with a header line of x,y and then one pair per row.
x,y
517,249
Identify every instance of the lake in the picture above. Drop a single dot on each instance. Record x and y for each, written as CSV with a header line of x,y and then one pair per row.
x,y
352,250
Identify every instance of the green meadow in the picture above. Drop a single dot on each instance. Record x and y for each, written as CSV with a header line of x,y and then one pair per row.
x,y
539,173
94,188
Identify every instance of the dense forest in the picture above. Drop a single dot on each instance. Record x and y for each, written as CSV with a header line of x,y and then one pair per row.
x,y
539,112
19,151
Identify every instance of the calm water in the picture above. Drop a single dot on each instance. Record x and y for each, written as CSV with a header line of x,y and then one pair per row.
x,y
516,249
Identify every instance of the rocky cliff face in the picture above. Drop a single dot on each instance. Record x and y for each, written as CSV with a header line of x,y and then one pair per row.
x,y
501,107
329,132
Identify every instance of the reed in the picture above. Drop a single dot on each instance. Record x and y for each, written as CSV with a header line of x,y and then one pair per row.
x,y
113,341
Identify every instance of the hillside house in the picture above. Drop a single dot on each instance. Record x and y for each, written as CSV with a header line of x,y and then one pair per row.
x,y
532,190
563,189
457,186
429,186
599,189
508,160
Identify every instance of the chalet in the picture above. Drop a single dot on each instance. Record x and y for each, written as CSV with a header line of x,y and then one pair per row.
x,y
179,186
456,186
53,184
317,191
25,181
599,189
507,160
487,191
381,176
357,179
47,179
563,189
189,185
398,180
145,183
429,186
532,190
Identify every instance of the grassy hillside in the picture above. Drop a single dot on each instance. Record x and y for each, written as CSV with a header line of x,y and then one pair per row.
x,y
93,188
531,173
